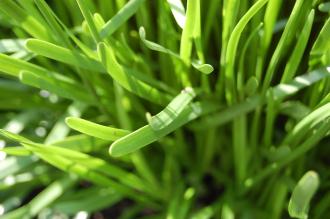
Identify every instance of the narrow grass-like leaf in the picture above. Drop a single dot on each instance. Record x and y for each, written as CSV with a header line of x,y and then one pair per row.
x,y
55,27
242,67
60,130
172,110
320,51
146,134
294,109
126,80
44,198
89,19
120,18
204,213
300,82
13,136
187,36
16,151
261,120
317,134
204,68
65,159
271,112
280,91
95,130
88,51
296,56
251,86
13,66
61,87
178,12
29,7
26,21
90,200
325,7
149,80
93,169
232,49
272,10
60,157
276,154
229,20
301,8
82,143
70,166
308,122
188,31
62,54
302,195
271,13
155,46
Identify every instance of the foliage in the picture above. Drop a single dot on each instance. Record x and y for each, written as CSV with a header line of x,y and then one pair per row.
x,y
164,109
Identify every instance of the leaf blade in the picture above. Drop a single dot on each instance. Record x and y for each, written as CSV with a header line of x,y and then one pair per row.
x,y
302,195
95,130
122,15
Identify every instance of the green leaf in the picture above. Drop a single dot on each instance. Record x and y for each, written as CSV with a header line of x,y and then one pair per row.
x,y
302,195
204,213
13,136
298,52
146,134
232,48
131,83
320,53
204,68
62,54
251,86
284,90
272,11
54,26
294,109
155,46
94,169
60,130
82,143
301,9
60,85
43,199
315,136
89,19
95,130
172,110
120,18
280,92
253,81
29,23
16,151
325,7
90,200
90,168
307,123
13,66
189,30
178,12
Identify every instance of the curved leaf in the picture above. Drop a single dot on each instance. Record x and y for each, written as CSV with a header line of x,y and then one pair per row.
x,y
95,130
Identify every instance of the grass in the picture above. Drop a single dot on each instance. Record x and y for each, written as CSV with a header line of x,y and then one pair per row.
x,y
164,109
